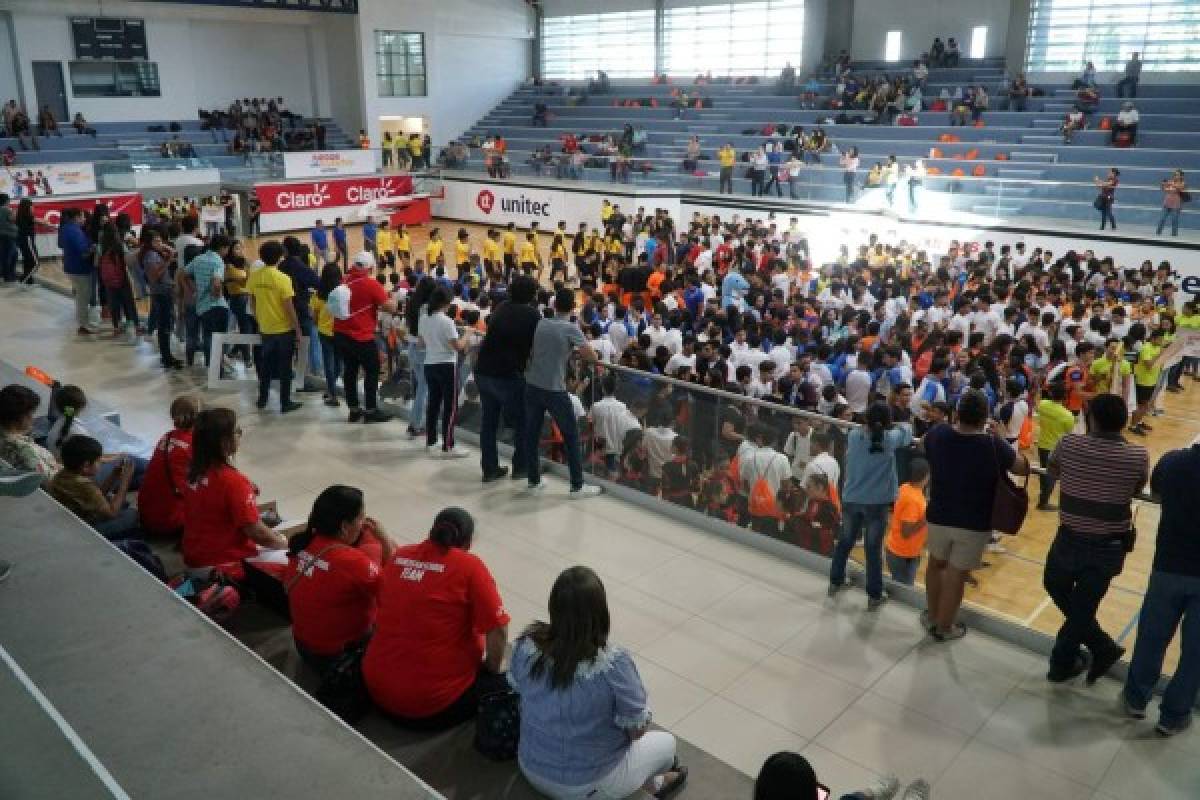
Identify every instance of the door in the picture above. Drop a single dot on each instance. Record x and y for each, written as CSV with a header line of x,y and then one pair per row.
x,y
51,91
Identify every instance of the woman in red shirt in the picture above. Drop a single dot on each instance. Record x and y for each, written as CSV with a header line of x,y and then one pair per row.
x,y
441,632
332,577
221,524
160,500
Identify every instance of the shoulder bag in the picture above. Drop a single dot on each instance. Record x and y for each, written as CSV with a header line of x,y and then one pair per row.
x,y
1011,502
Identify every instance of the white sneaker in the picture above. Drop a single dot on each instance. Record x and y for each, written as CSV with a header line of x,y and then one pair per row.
x,y
587,490
996,547
535,488
456,452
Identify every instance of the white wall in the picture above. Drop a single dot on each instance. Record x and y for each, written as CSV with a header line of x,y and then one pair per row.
x,y
205,56
816,20
477,52
922,20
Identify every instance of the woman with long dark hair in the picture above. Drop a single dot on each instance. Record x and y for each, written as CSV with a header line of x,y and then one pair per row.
x,y
416,301
442,630
585,719
221,523
442,343
115,277
236,276
333,575
157,260
331,360
869,488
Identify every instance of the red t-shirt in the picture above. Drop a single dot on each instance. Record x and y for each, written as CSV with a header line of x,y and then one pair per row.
x,y
160,500
215,509
435,605
333,601
366,296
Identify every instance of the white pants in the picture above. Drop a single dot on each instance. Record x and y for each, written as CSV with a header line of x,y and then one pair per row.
x,y
646,757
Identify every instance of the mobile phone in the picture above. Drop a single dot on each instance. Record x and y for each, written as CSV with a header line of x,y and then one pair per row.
x,y
822,792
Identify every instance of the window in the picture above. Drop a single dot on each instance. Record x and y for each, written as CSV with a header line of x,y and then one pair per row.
x,y
978,41
748,38
891,46
400,64
621,44
1063,34
114,79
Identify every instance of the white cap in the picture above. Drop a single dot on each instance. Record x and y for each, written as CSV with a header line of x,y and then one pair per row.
x,y
364,259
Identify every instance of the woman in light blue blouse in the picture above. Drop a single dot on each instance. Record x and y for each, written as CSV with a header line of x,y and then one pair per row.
x,y
584,717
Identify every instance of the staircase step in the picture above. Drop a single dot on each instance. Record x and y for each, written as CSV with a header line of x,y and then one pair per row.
x,y
1021,174
1039,158
995,210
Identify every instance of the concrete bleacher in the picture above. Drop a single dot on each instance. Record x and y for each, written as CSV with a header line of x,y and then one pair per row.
x,y
1035,174
132,141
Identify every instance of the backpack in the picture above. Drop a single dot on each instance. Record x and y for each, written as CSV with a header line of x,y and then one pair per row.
x,y
338,302
762,499
141,554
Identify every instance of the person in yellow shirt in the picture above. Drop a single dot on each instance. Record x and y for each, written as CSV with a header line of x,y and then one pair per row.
x,y
403,244
558,258
1146,373
727,157
492,263
537,238
385,243
462,252
606,211
1110,372
1189,320
433,250
277,324
331,361
529,258
415,150
509,245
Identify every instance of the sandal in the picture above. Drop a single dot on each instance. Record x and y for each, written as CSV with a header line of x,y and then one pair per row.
x,y
957,632
668,789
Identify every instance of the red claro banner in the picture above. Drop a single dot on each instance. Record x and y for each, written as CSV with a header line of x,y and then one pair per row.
x,y
47,213
277,198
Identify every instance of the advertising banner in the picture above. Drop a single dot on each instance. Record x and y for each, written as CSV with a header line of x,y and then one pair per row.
x,y
292,206
47,180
328,163
47,212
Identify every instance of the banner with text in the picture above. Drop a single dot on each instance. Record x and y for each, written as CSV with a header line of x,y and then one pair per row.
x,y
292,206
499,204
328,163
47,180
46,213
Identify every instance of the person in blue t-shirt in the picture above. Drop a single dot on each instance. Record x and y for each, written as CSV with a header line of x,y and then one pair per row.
x,y
342,254
370,233
320,241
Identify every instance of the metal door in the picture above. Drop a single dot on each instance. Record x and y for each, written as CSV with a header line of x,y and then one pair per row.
x,y
51,91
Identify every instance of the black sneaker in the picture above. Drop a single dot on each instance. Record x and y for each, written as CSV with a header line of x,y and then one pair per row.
x,y
1101,665
260,403
375,415
499,473
1062,675
288,408
356,415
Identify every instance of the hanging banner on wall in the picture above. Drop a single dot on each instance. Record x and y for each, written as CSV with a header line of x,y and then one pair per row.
x,y
47,213
47,180
291,206
328,163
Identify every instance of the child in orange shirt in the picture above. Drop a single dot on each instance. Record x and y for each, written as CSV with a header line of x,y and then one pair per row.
x,y
908,529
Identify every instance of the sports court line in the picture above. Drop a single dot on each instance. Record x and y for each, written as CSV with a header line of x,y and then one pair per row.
x,y
68,732
1129,626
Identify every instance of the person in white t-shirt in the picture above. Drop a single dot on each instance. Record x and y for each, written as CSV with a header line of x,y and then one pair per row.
x,y
1012,414
858,389
658,439
611,420
685,358
758,460
798,445
821,461
605,351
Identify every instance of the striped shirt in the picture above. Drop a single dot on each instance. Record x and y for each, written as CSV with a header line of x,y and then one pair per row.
x,y
1099,476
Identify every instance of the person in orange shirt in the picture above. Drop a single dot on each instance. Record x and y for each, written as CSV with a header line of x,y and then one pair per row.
x,y
654,283
908,528
1077,378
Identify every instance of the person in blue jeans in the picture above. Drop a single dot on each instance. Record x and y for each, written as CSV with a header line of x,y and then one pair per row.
x,y
546,391
416,354
869,488
498,374
1172,599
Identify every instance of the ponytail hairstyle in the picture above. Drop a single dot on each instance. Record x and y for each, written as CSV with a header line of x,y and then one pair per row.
x,y
879,419
69,401
453,527
212,441
332,509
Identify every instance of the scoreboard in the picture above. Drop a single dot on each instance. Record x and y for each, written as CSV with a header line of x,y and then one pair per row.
x,y
109,39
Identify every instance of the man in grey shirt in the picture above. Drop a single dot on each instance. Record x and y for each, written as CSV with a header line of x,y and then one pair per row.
x,y
1133,73
546,390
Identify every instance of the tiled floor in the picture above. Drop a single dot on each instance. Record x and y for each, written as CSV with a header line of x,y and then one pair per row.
x,y
741,652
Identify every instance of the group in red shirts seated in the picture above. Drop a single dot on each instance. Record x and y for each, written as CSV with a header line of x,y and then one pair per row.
x,y
333,576
160,500
441,631
221,517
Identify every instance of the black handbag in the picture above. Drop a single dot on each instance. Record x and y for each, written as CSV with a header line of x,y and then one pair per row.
x,y
343,689
498,726
1100,203
1185,196
1010,504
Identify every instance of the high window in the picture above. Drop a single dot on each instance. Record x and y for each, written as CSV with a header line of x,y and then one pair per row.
x,y
621,44
400,64
732,38
1063,34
